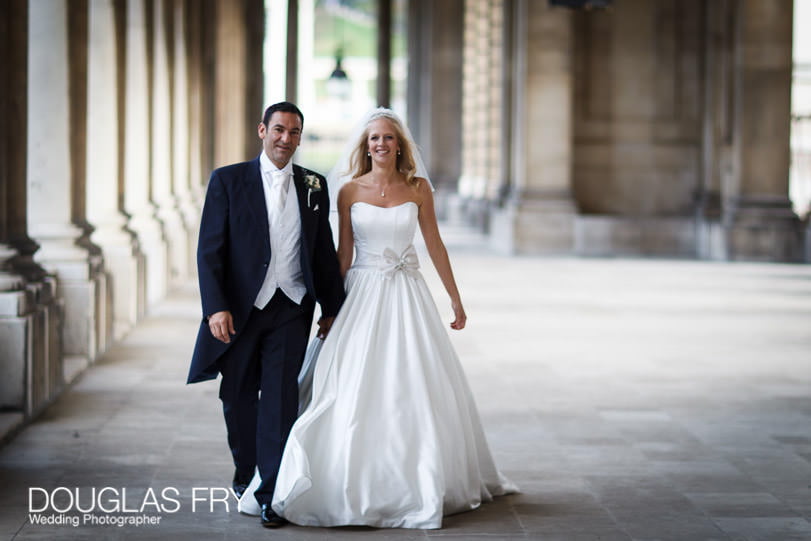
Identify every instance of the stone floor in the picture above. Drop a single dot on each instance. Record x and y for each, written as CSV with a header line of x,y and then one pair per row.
x,y
630,399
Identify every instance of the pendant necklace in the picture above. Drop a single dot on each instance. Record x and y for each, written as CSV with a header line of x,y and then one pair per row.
x,y
383,189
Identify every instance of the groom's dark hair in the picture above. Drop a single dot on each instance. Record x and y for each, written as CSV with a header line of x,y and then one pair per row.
x,y
284,107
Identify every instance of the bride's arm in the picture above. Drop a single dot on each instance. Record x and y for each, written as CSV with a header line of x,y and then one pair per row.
x,y
438,253
346,241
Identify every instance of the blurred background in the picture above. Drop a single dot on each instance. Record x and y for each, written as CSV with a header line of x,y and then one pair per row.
x,y
588,128
337,68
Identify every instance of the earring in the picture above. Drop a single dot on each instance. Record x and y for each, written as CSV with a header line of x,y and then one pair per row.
x,y
369,154
398,151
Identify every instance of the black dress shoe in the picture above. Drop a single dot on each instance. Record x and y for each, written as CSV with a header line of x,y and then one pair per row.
x,y
240,483
270,519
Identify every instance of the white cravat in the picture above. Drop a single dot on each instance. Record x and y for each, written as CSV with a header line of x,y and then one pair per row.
x,y
278,192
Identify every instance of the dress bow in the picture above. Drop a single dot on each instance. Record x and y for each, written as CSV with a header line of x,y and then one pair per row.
x,y
406,262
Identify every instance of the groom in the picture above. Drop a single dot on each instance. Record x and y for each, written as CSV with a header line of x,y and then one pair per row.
x,y
264,257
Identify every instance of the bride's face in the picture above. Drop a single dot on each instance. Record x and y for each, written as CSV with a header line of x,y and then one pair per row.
x,y
381,141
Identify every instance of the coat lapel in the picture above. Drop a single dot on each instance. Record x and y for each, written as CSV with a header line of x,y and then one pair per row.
x,y
305,212
256,196
301,190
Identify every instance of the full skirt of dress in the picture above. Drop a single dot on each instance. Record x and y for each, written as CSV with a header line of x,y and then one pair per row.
x,y
392,437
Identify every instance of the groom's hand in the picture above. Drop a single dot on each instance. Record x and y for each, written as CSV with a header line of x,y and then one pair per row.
x,y
221,325
324,325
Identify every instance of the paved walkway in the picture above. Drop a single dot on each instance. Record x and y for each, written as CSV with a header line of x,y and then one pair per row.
x,y
630,399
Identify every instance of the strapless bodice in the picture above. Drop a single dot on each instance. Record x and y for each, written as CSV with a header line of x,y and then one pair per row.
x,y
383,235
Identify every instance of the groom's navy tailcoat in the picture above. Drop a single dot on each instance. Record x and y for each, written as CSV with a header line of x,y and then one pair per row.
x,y
233,253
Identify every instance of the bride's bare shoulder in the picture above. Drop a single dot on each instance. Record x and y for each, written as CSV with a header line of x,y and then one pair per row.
x,y
348,193
350,186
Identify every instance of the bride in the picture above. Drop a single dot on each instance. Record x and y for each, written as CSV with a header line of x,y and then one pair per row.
x,y
391,437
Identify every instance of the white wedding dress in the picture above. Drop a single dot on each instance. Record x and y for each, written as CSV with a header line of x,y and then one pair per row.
x,y
392,437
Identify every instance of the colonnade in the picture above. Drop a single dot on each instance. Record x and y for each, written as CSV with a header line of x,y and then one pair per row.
x,y
113,125
650,128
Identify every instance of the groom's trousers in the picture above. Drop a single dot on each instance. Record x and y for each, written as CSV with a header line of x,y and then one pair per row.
x,y
259,387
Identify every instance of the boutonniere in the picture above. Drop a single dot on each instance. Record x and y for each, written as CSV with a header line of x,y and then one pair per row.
x,y
313,184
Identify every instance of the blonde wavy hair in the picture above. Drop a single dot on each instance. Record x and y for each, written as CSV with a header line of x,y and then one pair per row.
x,y
360,162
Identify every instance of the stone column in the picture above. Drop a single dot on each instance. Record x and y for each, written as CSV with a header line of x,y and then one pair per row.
x,y
198,119
52,196
164,151
230,136
182,131
304,54
482,107
759,219
291,79
254,36
539,214
716,126
238,79
384,53
137,157
120,248
435,37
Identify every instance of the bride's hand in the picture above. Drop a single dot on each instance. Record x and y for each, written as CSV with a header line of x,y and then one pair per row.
x,y
459,313
324,325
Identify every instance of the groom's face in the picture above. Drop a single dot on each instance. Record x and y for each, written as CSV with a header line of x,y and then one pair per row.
x,y
281,137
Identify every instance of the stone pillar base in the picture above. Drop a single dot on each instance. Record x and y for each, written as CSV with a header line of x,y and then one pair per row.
x,y
457,210
81,296
600,236
30,352
177,236
191,211
15,346
74,366
764,230
536,227
153,244
10,424
83,287
711,240
43,290
123,260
